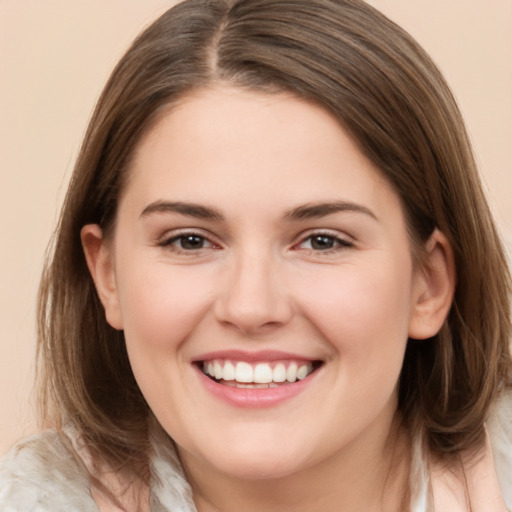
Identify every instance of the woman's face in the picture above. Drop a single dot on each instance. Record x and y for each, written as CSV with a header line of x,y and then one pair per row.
x,y
262,274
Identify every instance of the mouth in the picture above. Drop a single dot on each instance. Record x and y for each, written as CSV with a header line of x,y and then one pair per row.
x,y
257,375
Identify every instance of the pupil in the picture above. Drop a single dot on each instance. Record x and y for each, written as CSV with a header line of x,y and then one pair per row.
x,y
191,242
322,242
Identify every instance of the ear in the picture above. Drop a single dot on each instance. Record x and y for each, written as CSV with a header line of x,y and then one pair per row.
x,y
99,255
433,288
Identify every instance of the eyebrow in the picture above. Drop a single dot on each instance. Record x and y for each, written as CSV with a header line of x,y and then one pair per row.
x,y
318,210
189,209
302,212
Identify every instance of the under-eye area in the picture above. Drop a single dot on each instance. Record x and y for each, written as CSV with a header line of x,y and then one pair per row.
x,y
242,374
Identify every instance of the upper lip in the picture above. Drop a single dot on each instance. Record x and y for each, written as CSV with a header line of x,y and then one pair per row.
x,y
249,356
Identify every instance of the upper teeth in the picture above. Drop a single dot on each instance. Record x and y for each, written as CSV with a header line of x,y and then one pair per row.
x,y
260,373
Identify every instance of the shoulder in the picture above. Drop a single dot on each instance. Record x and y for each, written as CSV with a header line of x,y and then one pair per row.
x,y
169,487
499,427
42,474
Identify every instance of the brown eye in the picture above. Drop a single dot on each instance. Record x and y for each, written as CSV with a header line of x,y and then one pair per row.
x,y
322,242
187,242
191,242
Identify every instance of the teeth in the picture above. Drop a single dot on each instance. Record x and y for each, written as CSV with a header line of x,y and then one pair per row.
x,y
233,384
261,375
244,372
302,372
291,373
217,368
229,372
279,374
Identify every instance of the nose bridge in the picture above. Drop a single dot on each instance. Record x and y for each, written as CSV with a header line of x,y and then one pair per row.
x,y
253,297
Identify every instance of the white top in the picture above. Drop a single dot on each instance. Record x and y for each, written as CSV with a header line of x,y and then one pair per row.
x,y
48,473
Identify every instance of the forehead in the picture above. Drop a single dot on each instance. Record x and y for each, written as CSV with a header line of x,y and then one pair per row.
x,y
230,145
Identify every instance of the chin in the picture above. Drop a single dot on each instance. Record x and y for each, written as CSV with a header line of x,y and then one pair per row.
x,y
260,467
253,458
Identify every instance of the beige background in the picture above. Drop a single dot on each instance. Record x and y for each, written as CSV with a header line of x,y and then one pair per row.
x,y
55,55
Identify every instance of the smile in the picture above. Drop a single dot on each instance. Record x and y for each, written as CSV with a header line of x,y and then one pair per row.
x,y
262,375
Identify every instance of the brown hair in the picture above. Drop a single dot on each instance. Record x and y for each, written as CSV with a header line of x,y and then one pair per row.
x,y
384,89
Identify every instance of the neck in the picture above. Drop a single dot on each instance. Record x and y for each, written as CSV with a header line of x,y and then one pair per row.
x,y
370,475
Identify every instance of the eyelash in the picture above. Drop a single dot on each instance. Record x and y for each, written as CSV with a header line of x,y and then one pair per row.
x,y
175,243
336,242
181,237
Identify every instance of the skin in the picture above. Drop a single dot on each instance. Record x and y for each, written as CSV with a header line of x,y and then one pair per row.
x,y
257,280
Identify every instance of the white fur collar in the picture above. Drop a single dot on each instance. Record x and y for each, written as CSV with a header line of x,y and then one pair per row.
x,y
45,473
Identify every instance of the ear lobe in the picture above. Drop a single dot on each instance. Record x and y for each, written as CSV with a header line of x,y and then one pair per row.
x,y
433,289
99,257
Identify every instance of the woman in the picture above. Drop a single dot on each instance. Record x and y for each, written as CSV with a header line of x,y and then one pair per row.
x,y
276,283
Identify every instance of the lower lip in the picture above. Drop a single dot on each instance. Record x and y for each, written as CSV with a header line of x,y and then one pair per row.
x,y
255,397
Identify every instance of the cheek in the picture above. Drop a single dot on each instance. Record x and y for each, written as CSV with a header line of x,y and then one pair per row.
x,y
363,312
160,304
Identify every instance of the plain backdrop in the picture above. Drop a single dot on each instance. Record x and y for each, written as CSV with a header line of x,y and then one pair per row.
x,y
55,56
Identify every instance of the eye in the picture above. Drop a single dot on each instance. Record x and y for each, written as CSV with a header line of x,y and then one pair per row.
x,y
324,242
187,242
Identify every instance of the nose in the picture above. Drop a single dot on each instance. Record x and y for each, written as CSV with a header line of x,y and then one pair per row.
x,y
254,299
